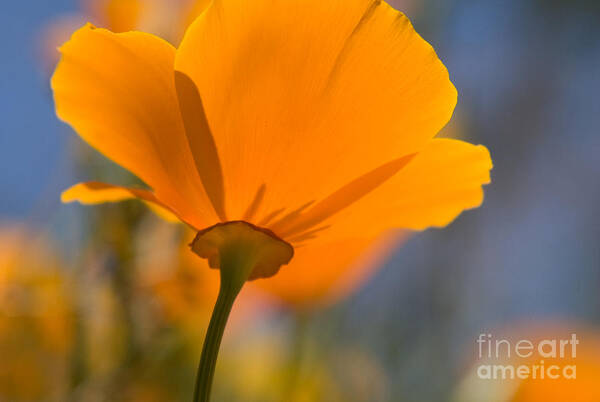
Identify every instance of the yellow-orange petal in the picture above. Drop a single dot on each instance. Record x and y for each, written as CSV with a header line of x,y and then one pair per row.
x,y
201,141
93,192
304,96
438,184
323,273
342,198
117,91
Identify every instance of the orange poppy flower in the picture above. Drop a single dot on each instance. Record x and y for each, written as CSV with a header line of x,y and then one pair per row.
x,y
36,318
275,128
322,135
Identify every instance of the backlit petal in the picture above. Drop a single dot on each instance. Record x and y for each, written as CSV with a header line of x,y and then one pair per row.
x,y
201,141
344,197
117,91
305,96
97,193
437,185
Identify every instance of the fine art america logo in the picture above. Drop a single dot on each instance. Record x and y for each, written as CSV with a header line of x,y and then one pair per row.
x,y
541,359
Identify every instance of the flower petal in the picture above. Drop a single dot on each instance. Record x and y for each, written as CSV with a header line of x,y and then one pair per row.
x,y
201,142
438,184
304,96
117,91
343,197
94,192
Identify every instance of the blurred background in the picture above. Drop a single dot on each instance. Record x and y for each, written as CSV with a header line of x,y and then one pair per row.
x,y
104,304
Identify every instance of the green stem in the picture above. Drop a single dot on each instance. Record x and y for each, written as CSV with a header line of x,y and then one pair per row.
x,y
212,342
236,265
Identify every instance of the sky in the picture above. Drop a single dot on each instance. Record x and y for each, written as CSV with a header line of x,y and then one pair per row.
x,y
32,141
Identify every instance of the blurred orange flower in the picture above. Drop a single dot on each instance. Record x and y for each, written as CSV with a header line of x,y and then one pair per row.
x,y
268,113
584,388
36,319
166,18
543,361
